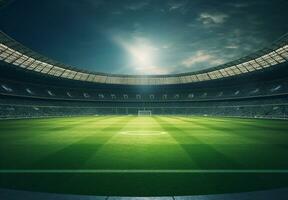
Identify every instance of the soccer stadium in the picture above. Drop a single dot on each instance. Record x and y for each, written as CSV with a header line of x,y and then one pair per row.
x,y
68,132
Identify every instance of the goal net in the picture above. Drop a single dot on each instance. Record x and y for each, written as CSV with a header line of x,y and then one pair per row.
x,y
144,113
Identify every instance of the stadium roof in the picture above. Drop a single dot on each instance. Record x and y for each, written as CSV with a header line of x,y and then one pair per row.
x,y
15,53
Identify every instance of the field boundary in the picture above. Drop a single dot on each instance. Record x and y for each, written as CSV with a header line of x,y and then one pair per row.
x,y
146,171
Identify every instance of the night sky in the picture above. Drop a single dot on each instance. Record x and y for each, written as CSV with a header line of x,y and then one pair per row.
x,y
147,36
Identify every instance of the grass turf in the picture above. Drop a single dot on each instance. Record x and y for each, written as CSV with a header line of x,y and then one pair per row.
x,y
143,156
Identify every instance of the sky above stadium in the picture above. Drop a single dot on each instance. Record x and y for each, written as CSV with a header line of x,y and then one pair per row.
x,y
147,36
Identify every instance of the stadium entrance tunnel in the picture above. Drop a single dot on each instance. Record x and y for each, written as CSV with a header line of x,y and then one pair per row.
x,y
143,133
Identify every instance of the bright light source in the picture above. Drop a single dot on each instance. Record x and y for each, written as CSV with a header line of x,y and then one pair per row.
x,y
143,55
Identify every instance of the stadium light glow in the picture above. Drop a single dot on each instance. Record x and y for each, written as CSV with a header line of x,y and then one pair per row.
x,y
142,55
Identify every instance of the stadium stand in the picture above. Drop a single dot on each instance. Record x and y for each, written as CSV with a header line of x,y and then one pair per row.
x,y
34,86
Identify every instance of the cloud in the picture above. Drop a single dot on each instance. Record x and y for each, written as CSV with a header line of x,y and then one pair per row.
x,y
201,57
137,5
232,46
176,5
212,18
166,46
239,5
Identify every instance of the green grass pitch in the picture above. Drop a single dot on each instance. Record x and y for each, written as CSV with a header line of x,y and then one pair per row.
x,y
143,156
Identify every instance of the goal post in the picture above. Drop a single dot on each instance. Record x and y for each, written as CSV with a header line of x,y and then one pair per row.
x,y
144,113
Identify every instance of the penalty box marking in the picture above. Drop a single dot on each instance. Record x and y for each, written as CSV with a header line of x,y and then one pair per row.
x,y
133,171
143,132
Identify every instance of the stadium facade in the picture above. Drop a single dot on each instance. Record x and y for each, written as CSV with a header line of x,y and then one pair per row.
x,y
32,85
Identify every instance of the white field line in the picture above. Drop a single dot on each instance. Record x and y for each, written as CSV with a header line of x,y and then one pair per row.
x,y
146,171
142,132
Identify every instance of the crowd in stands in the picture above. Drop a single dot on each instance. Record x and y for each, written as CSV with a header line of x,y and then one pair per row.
x,y
263,99
262,108
277,87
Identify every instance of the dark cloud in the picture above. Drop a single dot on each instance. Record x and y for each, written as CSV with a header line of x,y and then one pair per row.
x,y
137,5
